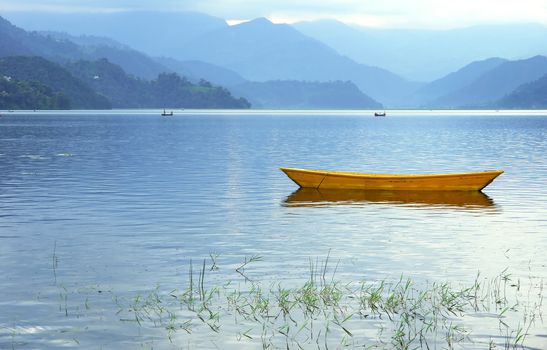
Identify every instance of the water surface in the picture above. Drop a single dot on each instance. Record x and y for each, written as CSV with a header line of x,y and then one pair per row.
x,y
95,206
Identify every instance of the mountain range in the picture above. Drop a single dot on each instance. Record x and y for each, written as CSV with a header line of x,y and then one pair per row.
x,y
293,94
62,48
93,48
456,80
529,95
168,89
260,51
426,55
155,33
263,61
85,48
48,70
495,83
103,85
257,50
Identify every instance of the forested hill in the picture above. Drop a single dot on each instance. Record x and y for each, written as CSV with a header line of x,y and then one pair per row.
x,y
53,71
530,95
16,94
167,90
36,83
55,77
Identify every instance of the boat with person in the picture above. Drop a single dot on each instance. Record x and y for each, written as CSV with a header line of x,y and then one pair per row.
x,y
323,179
167,114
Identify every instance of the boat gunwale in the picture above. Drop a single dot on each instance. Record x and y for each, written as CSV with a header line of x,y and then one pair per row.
x,y
388,176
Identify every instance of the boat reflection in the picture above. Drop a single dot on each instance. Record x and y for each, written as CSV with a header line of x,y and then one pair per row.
x,y
310,197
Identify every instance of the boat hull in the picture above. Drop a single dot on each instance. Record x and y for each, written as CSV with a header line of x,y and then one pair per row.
x,y
322,179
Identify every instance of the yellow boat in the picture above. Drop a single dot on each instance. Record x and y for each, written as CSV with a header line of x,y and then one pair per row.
x,y
393,182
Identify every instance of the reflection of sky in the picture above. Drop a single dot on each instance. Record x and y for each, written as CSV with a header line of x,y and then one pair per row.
x,y
140,196
418,13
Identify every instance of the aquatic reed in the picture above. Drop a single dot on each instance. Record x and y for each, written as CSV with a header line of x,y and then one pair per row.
x,y
326,312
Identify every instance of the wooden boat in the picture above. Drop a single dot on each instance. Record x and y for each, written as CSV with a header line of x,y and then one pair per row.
x,y
312,197
394,182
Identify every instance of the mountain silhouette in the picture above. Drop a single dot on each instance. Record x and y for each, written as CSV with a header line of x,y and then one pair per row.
x,y
261,51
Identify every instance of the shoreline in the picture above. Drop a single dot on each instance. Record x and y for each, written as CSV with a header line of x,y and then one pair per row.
x,y
302,112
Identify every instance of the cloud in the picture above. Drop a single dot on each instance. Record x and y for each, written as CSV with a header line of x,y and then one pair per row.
x,y
387,13
416,13
89,5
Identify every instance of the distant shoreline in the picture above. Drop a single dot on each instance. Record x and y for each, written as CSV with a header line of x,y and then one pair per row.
x,y
357,112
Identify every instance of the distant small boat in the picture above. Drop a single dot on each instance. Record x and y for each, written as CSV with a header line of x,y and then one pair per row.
x,y
322,179
379,114
167,114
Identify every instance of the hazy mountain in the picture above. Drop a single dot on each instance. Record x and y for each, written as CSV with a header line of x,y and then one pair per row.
x,y
112,81
167,90
260,51
94,48
62,47
425,55
52,75
16,41
154,33
196,70
84,40
495,83
530,95
298,94
456,80
10,44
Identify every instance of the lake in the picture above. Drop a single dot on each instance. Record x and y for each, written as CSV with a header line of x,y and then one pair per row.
x,y
100,209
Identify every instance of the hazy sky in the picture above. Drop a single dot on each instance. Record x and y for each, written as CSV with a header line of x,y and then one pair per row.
x,y
383,13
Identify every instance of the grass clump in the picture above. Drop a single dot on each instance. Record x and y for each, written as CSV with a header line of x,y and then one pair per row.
x,y
325,312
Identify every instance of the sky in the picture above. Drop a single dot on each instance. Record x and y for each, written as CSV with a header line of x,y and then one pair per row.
x,y
434,14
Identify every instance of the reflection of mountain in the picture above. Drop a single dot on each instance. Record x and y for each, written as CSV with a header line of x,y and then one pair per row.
x,y
309,197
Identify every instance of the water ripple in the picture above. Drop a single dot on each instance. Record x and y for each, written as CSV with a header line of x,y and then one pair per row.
x,y
125,201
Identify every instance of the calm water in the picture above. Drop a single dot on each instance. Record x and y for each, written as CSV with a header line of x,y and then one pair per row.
x,y
99,206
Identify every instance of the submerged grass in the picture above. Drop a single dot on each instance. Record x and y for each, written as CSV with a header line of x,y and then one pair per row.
x,y
324,312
